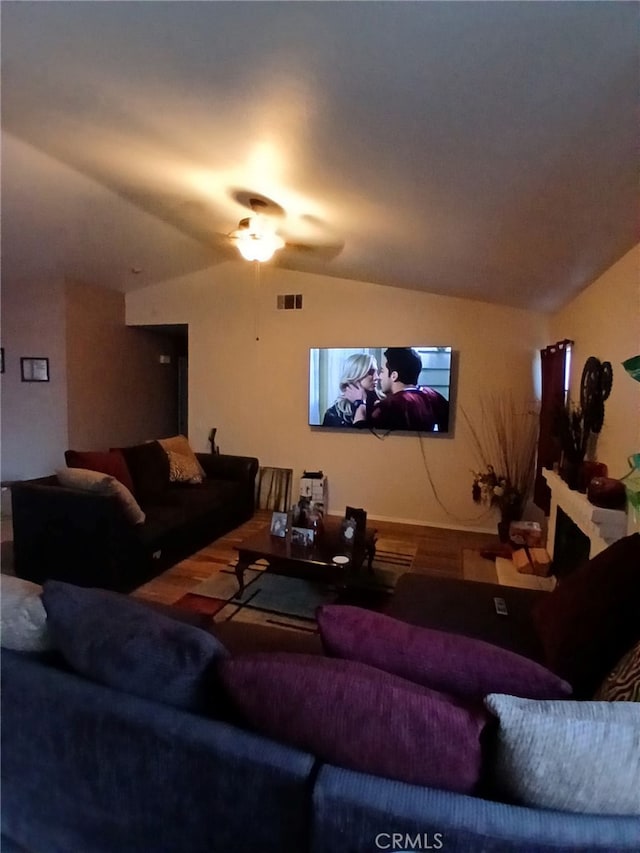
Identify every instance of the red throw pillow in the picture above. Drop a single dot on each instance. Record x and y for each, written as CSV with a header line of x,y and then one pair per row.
x,y
593,616
110,462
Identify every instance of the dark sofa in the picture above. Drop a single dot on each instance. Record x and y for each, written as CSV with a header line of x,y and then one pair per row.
x,y
85,538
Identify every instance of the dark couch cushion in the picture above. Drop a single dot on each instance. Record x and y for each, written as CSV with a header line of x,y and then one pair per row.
x,y
148,465
206,497
122,643
110,462
163,524
468,607
358,717
593,616
450,662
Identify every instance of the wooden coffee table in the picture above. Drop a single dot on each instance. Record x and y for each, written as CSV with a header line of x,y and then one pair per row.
x,y
314,563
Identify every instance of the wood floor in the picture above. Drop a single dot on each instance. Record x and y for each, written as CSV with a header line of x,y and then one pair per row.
x,y
439,551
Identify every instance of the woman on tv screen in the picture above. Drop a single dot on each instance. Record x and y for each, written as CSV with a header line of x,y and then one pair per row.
x,y
357,390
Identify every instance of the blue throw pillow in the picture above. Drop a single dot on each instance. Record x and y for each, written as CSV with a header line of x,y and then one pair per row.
x,y
120,642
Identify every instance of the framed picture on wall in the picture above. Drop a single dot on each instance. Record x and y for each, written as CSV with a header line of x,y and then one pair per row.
x,y
1,359
34,369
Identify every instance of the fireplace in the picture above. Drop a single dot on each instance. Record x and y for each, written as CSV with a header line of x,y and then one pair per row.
x,y
571,546
577,528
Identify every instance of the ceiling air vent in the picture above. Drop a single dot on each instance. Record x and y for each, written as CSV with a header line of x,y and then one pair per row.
x,y
289,301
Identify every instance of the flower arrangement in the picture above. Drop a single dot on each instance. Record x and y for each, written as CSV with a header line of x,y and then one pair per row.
x,y
494,490
506,445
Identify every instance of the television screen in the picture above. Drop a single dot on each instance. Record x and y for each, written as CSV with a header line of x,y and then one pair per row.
x,y
381,388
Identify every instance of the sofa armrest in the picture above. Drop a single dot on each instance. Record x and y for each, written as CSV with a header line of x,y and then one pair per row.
x,y
220,466
71,535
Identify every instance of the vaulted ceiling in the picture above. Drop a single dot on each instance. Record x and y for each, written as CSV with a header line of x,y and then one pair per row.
x,y
483,149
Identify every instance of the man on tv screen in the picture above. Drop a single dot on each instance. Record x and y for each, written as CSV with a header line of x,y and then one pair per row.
x,y
405,406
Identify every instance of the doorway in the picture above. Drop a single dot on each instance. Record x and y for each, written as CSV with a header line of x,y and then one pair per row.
x,y
175,347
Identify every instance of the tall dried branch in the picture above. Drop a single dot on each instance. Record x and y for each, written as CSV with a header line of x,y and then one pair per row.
x,y
506,439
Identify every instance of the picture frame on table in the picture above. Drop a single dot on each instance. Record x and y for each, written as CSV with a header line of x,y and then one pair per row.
x,y
359,519
302,536
348,531
34,369
279,524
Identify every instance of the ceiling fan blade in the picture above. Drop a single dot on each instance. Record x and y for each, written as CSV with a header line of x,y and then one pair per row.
x,y
322,251
257,202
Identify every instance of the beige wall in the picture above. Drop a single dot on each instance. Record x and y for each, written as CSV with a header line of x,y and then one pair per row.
x,y
34,414
118,392
604,321
255,391
106,385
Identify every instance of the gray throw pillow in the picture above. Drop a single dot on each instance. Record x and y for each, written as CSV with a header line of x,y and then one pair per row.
x,y
570,756
103,484
23,619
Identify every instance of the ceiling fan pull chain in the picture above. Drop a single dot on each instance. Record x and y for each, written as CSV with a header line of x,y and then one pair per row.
x,y
256,298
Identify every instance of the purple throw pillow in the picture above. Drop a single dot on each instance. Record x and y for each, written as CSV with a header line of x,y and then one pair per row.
x,y
121,643
452,663
354,716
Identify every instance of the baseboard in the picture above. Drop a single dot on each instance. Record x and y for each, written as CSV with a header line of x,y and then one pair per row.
x,y
416,523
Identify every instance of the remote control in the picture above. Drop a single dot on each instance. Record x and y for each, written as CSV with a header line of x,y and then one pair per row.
x,y
501,606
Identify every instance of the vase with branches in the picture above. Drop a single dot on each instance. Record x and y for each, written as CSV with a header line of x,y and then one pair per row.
x,y
505,442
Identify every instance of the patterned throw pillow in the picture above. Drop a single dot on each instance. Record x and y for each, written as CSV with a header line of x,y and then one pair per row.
x,y
183,468
183,463
623,682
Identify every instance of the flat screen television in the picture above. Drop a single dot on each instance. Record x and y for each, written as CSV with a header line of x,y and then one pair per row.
x,y
381,388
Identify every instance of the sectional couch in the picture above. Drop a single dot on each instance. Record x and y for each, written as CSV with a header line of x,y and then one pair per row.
x,y
88,536
191,738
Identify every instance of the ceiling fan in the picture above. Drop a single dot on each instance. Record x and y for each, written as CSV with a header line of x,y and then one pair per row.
x,y
258,236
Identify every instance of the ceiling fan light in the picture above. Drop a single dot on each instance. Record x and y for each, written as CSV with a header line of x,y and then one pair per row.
x,y
257,241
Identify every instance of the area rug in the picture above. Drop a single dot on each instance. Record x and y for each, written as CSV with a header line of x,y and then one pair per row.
x,y
291,602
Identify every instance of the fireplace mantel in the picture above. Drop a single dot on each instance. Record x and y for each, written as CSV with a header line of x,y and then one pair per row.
x,y
602,526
